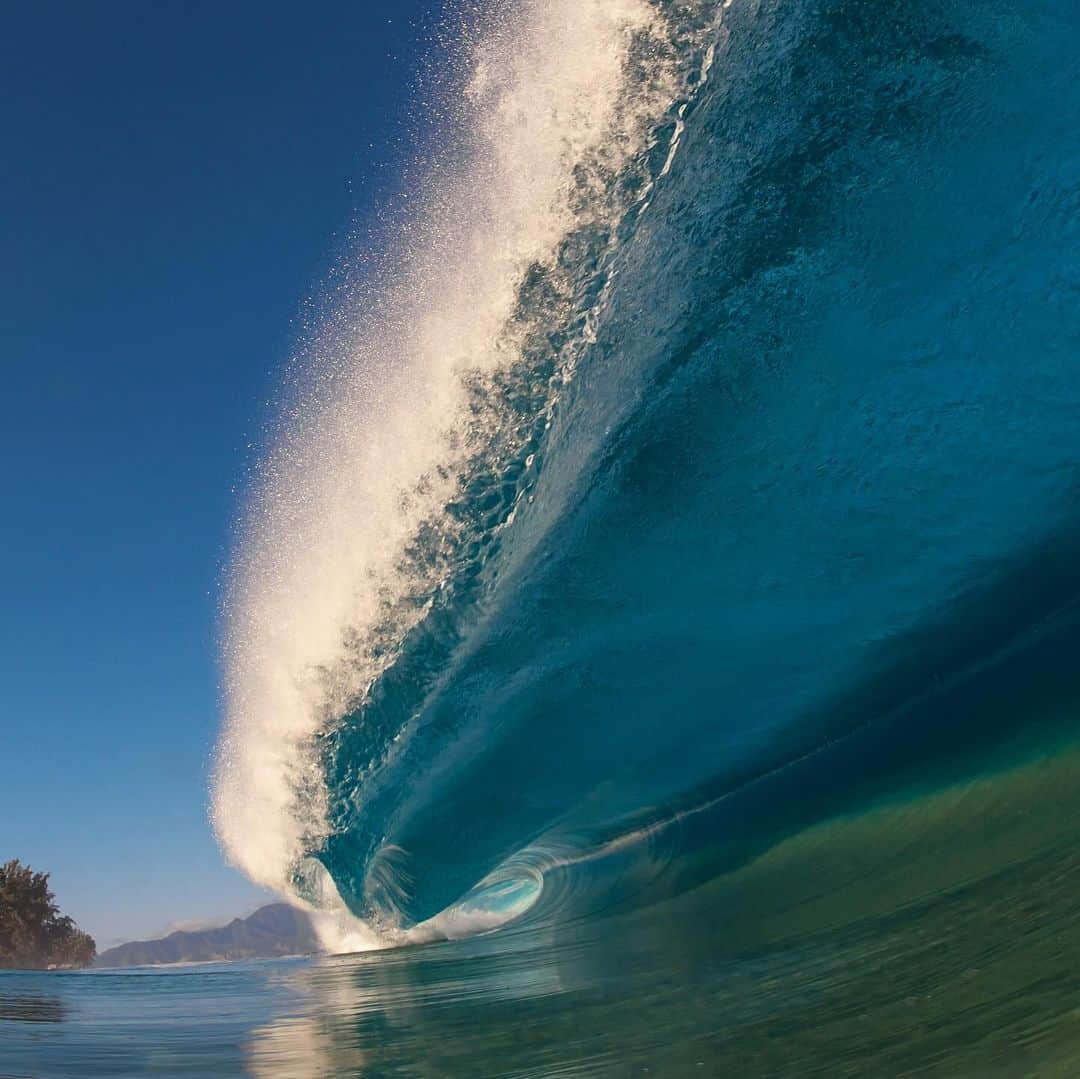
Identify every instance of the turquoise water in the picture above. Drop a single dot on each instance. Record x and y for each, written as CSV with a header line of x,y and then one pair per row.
x,y
654,625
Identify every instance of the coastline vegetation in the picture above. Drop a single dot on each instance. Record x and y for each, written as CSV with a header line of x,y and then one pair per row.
x,y
34,935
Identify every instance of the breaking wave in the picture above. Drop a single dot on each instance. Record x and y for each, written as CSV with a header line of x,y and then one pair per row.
x,y
704,434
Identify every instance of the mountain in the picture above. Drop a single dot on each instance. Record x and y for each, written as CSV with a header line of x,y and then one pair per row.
x,y
273,930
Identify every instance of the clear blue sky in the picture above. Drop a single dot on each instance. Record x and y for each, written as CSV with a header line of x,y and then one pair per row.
x,y
175,179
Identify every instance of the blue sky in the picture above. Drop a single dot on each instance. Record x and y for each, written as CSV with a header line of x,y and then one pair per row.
x,y
176,180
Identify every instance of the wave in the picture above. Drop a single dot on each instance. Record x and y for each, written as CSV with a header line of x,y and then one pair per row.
x,y
678,440
415,436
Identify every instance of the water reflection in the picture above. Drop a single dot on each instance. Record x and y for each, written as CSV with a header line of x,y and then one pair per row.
x,y
930,932
931,935
31,1008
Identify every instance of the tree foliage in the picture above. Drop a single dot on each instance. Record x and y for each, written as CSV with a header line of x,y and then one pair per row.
x,y
33,932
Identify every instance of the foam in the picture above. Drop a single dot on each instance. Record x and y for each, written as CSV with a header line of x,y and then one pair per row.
x,y
370,447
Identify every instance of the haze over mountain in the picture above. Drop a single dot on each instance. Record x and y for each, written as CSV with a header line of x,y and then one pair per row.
x,y
274,930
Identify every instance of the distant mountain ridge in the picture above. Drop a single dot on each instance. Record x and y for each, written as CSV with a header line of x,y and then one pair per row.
x,y
274,930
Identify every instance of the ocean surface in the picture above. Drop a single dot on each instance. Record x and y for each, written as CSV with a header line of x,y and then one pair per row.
x,y
652,637
933,936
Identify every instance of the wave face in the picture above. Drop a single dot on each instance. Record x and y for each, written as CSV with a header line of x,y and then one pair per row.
x,y
697,459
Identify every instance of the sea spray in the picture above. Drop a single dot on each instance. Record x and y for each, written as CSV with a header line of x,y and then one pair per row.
x,y
419,423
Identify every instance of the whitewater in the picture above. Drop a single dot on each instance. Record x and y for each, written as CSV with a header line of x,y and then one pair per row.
x,y
403,412
701,434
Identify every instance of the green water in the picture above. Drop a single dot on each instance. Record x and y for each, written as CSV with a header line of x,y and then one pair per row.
x,y
931,935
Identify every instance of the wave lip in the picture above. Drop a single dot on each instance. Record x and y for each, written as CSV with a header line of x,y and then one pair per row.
x,y
415,433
